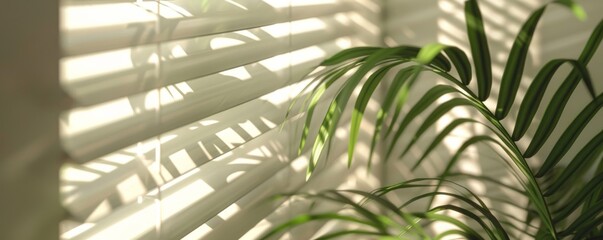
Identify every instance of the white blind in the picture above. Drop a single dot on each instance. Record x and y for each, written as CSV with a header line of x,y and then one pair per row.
x,y
175,133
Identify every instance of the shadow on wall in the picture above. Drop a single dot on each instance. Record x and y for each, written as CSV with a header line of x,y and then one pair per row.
x,y
179,110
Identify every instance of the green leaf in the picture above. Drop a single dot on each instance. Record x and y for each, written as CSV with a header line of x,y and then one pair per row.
x,y
471,233
576,8
320,79
317,93
439,59
481,207
597,194
461,63
361,102
479,48
500,233
577,199
305,218
429,56
562,95
581,162
569,136
429,52
515,64
425,101
391,207
535,92
377,221
402,96
592,45
399,87
432,52
356,233
329,124
452,232
433,117
486,178
585,218
589,227
335,110
452,161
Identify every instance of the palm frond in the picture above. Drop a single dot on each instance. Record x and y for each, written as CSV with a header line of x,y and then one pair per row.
x,y
545,186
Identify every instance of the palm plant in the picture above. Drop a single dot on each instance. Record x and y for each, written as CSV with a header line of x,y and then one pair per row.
x,y
566,203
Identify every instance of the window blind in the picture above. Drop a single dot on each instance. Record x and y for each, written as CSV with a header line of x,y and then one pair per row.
x,y
179,128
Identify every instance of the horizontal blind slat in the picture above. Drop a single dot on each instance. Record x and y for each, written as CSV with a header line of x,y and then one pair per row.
x,y
178,105
88,144
181,20
188,59
208,183
201,141
258,204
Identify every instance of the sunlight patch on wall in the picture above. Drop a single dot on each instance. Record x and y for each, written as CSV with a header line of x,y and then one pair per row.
x,y
170,10
365,23
277,3
103,209
131,188
306,55
144,147
198,233
92,16
230,137
132,226
297,3
85,119
258,230
77,231
184,197
311,2
79,175
222,42
75,69
182,161
240,73
233,176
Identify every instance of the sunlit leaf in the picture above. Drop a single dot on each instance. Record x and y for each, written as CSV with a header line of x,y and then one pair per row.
x,y
303,219
576,8
398,89
425,101
361,102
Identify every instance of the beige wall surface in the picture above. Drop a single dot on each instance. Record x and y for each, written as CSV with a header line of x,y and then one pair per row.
x,y
30,100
